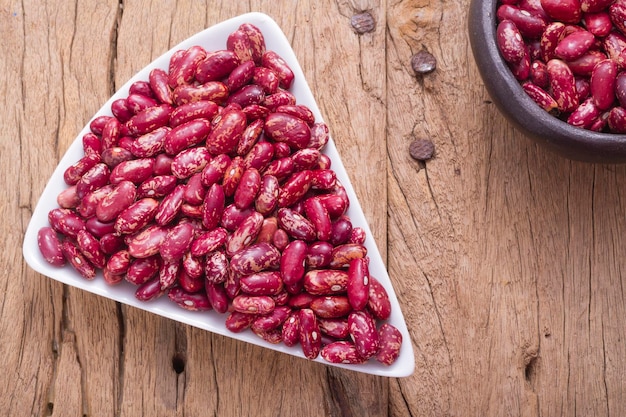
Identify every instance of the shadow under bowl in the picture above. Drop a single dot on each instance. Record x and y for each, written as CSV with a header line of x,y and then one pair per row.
x,y
520,110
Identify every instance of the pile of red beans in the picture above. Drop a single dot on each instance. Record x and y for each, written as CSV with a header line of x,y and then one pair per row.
x,y
569,56
208,185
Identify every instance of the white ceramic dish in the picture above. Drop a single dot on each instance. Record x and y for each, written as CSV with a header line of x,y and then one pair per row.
x,y
211,39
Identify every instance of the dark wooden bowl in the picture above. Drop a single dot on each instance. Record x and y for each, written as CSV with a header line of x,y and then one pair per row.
x,y
519,109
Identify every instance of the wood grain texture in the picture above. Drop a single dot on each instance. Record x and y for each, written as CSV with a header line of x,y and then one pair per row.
x,y
507,260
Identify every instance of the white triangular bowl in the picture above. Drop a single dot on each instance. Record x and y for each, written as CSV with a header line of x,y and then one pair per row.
x,y
211,39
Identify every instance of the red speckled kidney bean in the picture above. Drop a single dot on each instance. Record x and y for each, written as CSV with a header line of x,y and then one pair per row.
x,y
50,246
78,261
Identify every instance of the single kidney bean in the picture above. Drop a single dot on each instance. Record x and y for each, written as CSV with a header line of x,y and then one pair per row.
x,y
78,261
110,278
574,45
98,228
66,222
216,66
292,265
309,336
215,91
266,79
213,206
602,84
90,248
358,283
300,111
149,119
119,262
306,159
267,198
50,246
337,328
201,109
280,239
255,258
250,137
169,207
364,333
262,283
159,83
280,168
190,161
248,188
390,341
168,274
319,254
287,128
326,281
111,243
147,242
157,187
239,42
342,352
141,271
193,265
121,110
138,102
585,114
233,175
96,177
135,171
563,85
237,322
510,41
567,11
197,301
91,144
599,23
378,303
617,120
149,290
216,267
253,304
247,95
68,198
176,242
260,156
296,225
291,329
189,283
331,306
218,298
343,254
271,321
138,215
256,41
540,96
318,215
194,190
245,234
115,155
531,26
226,133
186,135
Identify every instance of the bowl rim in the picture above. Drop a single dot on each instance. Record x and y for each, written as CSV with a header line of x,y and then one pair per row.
x,y
521,110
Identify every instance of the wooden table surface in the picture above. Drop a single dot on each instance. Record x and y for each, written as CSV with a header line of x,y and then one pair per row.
x,y
508,261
